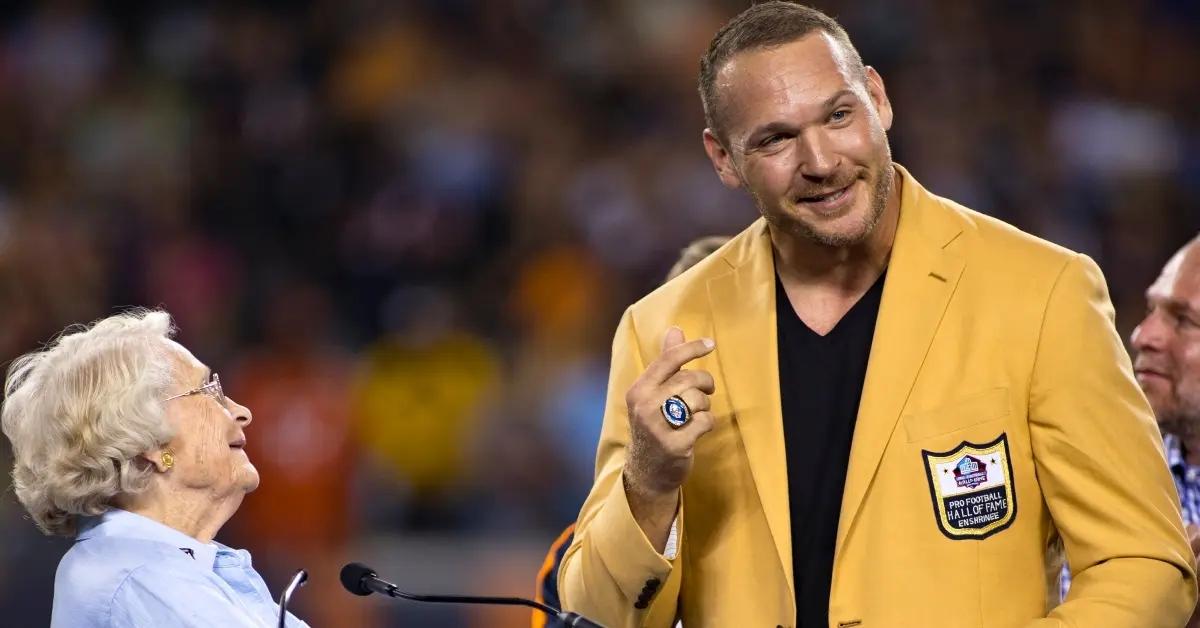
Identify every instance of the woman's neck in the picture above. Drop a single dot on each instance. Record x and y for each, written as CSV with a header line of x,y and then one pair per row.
x,y
194,513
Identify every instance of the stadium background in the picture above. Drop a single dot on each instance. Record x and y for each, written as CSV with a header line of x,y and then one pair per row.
x,y
403,231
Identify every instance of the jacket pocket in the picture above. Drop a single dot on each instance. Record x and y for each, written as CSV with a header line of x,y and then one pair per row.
x,y
981,407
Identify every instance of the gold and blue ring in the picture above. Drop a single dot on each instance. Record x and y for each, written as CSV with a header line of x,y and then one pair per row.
x,y
676,411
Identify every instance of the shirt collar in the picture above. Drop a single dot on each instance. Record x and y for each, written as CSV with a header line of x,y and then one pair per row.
x,y
1175,458
1188,474
117,523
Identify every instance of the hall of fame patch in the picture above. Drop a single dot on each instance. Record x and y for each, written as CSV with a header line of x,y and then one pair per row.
x,y
972,489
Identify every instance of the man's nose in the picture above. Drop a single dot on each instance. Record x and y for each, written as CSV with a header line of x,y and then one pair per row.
x,y
817,159
1151,334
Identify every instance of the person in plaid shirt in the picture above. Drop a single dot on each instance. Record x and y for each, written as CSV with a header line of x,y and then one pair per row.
x,y
1167,366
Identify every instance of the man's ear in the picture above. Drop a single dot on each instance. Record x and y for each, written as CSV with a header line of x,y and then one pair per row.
x,y
879,96
721,160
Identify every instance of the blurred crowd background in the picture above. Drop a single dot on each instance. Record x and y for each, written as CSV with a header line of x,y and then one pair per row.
x,y
403,231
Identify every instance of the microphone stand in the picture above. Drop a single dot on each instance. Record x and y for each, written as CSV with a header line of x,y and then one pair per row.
x,y
569,618
361,580
470,599
298,581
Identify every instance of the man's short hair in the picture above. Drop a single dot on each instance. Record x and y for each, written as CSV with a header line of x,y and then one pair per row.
x,y
694,252
764,25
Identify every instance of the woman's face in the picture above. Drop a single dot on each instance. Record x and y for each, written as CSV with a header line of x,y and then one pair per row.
x,y
210,438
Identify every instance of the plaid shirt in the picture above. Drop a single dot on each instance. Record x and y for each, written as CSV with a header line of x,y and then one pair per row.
x,y
1187,482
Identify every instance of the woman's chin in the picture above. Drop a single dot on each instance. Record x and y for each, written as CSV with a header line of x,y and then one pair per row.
x,y
250,479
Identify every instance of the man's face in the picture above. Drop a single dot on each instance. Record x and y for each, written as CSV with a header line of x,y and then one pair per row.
x,y
806,135
1167,344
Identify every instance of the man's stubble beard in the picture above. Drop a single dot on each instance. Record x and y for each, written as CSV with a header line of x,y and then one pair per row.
x,y
880,191
1183,420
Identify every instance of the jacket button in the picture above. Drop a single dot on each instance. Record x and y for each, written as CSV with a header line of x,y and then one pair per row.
x,y
641,604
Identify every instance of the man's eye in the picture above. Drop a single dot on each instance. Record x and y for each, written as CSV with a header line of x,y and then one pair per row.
x,y
772,140
840,115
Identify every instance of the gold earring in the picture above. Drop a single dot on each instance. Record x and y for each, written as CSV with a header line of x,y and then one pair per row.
x,y
168,459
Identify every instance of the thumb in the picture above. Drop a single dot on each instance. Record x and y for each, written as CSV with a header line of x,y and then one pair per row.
x,y
673,337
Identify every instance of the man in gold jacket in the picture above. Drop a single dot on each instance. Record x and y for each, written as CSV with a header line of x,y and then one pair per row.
x,y
737,484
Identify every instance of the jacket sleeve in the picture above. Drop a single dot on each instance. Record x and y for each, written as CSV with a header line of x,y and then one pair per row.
x,y
611,573
1100,461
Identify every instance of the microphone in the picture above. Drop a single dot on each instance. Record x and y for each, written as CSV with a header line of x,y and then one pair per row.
x,y
360,579
298,581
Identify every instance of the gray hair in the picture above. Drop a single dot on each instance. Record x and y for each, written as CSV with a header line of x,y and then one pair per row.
x,y
694,253
80,411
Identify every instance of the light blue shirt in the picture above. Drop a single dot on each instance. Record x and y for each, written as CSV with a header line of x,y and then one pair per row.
x,y
128,570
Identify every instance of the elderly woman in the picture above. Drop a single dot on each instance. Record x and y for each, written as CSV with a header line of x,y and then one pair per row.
x,y
125,441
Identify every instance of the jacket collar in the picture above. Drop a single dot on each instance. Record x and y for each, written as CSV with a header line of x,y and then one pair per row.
x,y
923,271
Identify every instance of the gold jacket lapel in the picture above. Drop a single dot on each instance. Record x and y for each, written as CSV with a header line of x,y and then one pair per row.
x,y
743,307
921,278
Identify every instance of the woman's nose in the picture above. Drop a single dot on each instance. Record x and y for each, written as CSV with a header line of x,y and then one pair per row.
x,y
240,413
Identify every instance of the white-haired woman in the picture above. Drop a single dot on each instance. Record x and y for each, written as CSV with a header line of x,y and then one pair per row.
x,y
125,441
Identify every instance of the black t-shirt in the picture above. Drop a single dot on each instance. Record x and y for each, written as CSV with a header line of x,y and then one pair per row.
x,y
820,383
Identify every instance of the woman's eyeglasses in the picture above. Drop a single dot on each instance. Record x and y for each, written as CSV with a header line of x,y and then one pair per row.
x,y
213,388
